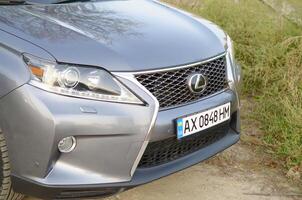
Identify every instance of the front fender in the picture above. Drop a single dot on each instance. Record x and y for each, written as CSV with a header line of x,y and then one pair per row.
x,y
13,71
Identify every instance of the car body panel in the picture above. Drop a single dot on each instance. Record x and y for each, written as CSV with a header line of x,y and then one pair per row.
x,y
13,71
117,35
36,123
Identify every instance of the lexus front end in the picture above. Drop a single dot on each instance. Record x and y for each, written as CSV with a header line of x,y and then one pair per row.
x,y
101,96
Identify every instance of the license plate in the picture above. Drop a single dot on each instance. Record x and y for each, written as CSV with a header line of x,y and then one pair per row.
x,y
198,122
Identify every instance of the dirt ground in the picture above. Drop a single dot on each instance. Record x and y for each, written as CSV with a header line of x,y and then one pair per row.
x,y
243,172
236,174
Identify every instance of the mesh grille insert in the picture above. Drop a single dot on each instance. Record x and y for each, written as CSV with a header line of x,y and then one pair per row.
x,y
164,151
170,86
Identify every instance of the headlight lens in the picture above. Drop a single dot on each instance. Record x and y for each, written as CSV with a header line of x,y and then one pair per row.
x,y
78,81
234,69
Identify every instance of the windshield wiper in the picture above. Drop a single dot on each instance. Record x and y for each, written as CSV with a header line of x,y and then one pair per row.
x,y
12,2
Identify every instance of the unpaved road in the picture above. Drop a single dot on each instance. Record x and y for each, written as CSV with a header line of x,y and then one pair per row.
x,y
232,175
243,172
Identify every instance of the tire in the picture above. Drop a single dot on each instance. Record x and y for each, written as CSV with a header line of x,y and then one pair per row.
x,y
6,190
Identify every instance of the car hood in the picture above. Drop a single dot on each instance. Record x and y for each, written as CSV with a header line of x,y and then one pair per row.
x,y
117,35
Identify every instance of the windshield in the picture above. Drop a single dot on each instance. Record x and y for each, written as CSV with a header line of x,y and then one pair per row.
x,y
18,2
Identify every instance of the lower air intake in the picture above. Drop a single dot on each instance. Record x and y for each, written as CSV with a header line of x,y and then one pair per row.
x,y
161,152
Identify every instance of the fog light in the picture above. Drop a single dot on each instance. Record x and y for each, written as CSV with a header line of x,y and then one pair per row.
x,y
67,145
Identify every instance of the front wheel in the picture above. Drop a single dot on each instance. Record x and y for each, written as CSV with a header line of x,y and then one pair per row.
x,y
6,190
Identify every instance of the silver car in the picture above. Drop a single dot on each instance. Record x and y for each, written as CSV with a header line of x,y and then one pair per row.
x,y
97,97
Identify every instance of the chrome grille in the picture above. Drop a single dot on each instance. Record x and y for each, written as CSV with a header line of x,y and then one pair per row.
x,y
170,87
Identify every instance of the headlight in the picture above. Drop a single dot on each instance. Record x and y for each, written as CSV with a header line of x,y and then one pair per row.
x,y
233,68
78,81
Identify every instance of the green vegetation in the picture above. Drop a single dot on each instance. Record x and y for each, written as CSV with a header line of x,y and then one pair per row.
x,y
269,48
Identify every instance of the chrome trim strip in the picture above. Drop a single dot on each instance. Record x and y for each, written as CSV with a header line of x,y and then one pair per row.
x,y
231,80
179,67
130,77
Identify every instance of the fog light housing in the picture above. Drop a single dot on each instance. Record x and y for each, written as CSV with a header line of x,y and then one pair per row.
x,y
67,145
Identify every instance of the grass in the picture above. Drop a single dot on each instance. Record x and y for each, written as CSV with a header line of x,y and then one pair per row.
x,y
292,9
269,48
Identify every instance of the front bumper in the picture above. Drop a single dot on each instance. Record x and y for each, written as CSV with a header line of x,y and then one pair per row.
x,y
140,177
110,141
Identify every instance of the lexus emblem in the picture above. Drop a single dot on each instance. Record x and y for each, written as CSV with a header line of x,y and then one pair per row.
x,y
197,83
